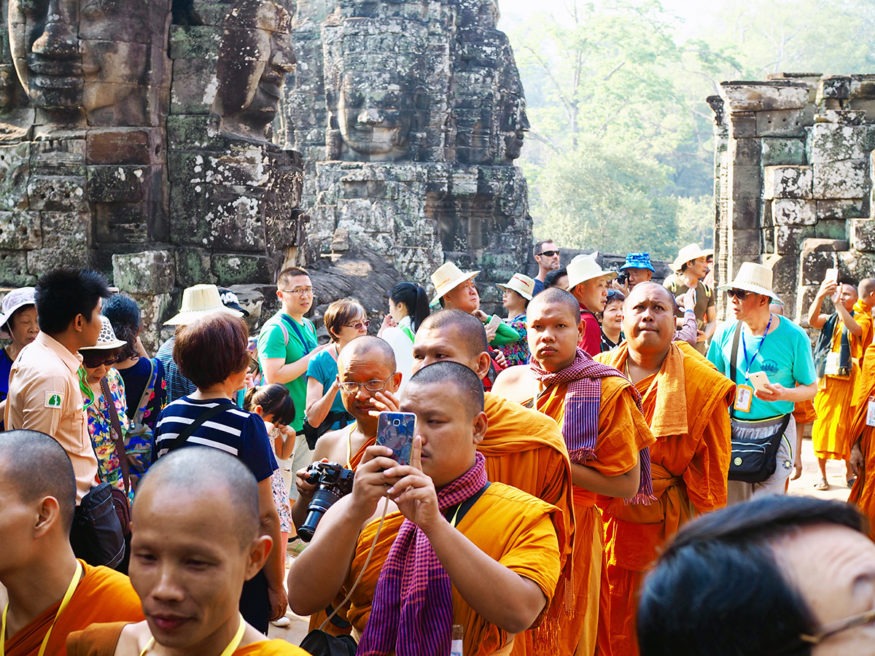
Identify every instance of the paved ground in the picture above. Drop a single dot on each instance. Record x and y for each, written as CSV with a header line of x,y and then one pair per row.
x,y
835,472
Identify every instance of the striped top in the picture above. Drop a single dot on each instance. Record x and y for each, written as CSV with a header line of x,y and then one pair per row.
x,y
234,431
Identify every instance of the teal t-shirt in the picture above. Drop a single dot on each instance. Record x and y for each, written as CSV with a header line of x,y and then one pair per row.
x,y
785,357
283,337
323,368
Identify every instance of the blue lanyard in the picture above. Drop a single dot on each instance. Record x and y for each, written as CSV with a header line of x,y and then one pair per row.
x,y
308,346
748,363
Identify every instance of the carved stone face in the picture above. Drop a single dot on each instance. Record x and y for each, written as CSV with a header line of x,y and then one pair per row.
x,y
515,132
255,56
375,119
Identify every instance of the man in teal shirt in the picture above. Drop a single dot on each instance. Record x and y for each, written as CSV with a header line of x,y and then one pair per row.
x,y
286,343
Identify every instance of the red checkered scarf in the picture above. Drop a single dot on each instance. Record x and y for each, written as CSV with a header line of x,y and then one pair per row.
x,y
580,425
412,613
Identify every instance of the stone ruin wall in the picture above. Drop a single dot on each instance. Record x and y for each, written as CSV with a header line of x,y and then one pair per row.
x,y
793,180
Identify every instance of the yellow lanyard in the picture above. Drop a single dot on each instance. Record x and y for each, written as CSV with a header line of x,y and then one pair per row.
x,y
227,651
77,576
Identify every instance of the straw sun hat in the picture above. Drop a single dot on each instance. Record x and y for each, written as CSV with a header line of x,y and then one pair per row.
x,y
583,268
198,301
106,340
753,277
447,277
690,252
522,285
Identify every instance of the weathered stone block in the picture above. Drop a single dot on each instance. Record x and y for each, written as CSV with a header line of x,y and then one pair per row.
x,y
831,229
818,255
784,123
777,151
117,184
154,309
14,271
839,209
745,152
147,272
787,182
240,269
196,94
55,193
764,96
20,230
861,234
194,42
742,125
845,179
14,172
120,146
193,266
46,259
793,212
828,142
834,87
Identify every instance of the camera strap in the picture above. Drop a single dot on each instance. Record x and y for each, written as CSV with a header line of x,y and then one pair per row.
x,y
454,514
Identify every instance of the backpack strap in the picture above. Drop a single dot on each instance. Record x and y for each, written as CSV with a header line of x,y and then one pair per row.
x,y
147,391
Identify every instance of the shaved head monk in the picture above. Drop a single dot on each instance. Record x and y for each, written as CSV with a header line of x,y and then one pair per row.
x,y
605,433
460,551
48,593
523,448
188,565
686,404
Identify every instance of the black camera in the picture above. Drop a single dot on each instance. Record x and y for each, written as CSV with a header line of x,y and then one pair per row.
x,y
622,277
334,482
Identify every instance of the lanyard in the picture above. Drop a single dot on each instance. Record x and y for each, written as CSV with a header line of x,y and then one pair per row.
x,y
748,363
227,651
71,588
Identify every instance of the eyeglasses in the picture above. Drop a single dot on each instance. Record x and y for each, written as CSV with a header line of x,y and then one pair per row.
x,y
549,253
298,291
837,627
740,294
358,325
95,360
371,386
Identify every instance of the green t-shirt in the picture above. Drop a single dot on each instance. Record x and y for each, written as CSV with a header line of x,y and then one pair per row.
x,y
283,337
704,297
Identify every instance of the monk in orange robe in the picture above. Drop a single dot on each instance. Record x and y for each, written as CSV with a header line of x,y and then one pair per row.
x,y
862,438
37,565
686,404
852,323
613,469
523,448
188,566
464,551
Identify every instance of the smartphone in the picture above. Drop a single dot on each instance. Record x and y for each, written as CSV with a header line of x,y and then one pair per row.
x,y
395,430
832,275
759,380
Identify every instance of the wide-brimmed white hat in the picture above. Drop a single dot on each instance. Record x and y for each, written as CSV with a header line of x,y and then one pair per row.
x,y
15,300
198,301
690,252
583,268
753,277
106,340
447,277
522,285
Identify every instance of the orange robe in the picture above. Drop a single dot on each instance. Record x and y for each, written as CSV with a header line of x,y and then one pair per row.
x,y
834,400
863,492
103,595
622,434
514,528
102,640
525,449
686,405
804,412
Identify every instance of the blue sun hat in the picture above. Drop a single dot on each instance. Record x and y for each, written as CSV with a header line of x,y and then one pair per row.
x,y
638,261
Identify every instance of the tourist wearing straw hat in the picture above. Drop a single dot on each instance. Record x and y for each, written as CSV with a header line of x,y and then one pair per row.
x,y
769,359
690,268
589,285
517,293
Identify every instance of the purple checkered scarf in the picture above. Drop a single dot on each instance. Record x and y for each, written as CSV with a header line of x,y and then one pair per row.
x,y
412,613
580,425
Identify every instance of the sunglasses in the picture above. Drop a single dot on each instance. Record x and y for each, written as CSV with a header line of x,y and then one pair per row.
x,y
740,294
549,253
358,325
94,360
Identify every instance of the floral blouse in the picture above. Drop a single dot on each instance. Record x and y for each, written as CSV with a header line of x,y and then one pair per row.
x,y
516,352
100,428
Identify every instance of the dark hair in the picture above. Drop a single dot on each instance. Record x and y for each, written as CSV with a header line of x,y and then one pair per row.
x,y
536,249
414,299
124,315
339,313
38,466
719,590
286,274
274,400
551,278
614,296
445,372
212,348
62,294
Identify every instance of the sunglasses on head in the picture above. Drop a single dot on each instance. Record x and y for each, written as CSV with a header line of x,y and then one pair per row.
x,y
740,294
94,360
549,253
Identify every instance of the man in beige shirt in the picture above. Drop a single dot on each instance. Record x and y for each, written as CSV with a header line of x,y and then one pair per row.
x,y
44,390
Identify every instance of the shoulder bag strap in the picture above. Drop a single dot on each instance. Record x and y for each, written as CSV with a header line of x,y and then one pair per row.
x,y
151,381
117,434
189,430
733,358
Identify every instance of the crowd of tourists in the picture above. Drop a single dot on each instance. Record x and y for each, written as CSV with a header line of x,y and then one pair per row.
x,y
601,471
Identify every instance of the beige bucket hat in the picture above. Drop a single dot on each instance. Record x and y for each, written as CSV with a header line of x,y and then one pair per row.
x,y
583,268
198,301
522,285
753,277
447,277
690,252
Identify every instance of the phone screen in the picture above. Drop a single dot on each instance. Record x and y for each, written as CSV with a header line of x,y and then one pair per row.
x,y
832,275
395,430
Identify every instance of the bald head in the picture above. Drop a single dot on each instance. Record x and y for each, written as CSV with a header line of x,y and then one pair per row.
x,y
465,382
37,466
649,320
468,328
866,288
374,349
217,474
649,289
559,298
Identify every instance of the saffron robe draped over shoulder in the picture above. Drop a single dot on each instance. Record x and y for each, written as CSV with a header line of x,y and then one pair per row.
x,y
622,433
686,405
863,492
103,595
513,528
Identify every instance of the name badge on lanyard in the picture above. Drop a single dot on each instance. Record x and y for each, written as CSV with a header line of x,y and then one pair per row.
x,y
743,398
